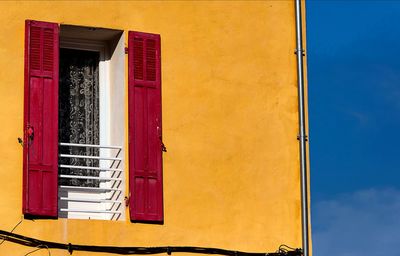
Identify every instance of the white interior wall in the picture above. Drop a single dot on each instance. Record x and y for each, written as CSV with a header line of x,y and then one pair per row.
x,y
117,109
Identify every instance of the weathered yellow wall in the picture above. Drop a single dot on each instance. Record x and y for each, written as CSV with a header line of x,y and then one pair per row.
x,y
231,174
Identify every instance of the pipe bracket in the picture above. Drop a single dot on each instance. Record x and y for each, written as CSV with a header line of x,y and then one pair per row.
x,y
303,52
300,137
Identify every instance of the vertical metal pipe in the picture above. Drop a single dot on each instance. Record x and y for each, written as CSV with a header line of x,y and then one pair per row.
x,y
302,130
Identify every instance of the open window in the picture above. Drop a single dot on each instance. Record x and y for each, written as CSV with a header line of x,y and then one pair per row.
x,y
75,123
91,123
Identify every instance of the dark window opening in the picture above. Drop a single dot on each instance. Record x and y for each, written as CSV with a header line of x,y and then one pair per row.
x,y
79,113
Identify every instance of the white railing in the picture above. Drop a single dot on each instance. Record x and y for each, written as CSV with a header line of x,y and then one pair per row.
x,y
105,201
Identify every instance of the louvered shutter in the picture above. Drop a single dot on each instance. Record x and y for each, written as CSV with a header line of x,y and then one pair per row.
x,y
145,145
40,174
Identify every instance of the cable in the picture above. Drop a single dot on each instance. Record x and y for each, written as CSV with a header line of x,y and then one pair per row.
x,y
40,248
5,238
282,248
32,242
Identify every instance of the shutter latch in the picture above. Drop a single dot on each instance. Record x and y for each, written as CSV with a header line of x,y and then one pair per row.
x,y
163,147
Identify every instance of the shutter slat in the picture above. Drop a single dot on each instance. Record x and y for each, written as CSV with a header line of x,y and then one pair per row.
x,y
150,60
138,59
41,120
48,45
35,38
145,151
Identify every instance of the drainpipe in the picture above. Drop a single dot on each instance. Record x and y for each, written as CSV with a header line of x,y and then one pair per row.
x,y
302,137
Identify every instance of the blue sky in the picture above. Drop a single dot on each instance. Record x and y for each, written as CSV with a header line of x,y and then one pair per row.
x,y
353,50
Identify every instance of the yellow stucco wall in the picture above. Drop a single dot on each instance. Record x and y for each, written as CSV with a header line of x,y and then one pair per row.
x,y
231,174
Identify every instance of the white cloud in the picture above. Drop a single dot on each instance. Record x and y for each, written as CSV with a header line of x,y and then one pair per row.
x,y
363,223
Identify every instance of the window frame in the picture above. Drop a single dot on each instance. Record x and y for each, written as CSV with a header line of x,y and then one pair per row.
x,y
105,85
144,205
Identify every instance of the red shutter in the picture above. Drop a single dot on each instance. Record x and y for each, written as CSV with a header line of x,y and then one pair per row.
x,y
40,177
145,146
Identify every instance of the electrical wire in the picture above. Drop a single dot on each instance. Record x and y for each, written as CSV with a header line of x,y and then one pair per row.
x,y
283,248
5,238
32,242
38,249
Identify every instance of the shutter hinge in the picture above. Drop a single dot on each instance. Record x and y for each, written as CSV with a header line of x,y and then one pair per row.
x,y
126,50
20,141
126,199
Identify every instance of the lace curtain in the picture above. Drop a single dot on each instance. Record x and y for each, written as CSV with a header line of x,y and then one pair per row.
x,y
79,112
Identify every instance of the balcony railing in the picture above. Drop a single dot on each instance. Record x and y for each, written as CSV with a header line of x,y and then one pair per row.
x,y
103,197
